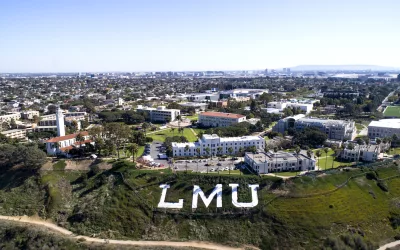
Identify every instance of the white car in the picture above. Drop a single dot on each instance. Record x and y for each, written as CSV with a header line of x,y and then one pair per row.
x,y
212,170
226,168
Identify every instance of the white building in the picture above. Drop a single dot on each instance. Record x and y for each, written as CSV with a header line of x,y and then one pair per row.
x,y
264,163
10,116
307,107
198,106
334,129
369,153
63,144
238,93
384,128
15,134
218,119
160,114
29,114
213,142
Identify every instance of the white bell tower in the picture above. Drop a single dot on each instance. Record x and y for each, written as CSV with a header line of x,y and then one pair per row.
x,y
60,122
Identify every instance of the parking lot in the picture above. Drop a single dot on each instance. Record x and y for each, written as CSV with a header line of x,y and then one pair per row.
x,y
201,165
197,165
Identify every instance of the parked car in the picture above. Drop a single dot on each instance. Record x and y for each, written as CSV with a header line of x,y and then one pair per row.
x,y
212,170
219,164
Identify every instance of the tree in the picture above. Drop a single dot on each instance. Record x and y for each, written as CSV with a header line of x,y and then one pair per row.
x,y
36,119
172,130
145,126
276,158
266,98
297,150
230,151
219,152
198,151
208,153
33,157
179,118
333,147
309,155
318,154
74,125
117,134
326,150
13,123
186,149
134,148
80,139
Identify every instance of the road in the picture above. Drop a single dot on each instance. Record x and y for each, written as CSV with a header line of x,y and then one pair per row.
x,y
41,223
390,245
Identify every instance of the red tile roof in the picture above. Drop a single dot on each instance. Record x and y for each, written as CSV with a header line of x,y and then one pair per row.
x,y
220,114
67,137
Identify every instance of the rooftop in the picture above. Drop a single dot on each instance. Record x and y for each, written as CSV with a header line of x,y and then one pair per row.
x,y
67,137
386,123
220,114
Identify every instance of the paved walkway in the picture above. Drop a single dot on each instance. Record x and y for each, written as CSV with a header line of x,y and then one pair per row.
x,y
390,245
54,227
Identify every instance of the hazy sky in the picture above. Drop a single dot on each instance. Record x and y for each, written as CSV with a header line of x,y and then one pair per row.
x,y
162,35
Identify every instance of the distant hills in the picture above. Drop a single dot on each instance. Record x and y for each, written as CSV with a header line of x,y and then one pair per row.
x,y
342,68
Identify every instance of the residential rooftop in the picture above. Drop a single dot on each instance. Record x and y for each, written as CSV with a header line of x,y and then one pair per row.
x,y
386,123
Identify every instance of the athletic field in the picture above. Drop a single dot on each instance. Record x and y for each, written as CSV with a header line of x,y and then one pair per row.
x,y
392,111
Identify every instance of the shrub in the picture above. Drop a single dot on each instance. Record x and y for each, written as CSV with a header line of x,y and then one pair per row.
x,y
371,176
383,186
60,165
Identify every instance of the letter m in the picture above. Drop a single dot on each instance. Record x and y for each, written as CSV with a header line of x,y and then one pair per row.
x,y
207,200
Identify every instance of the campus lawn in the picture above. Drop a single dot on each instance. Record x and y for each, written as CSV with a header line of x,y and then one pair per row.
x,y
392,111
359,127
192,117
328,160
394,151
286,174
161,135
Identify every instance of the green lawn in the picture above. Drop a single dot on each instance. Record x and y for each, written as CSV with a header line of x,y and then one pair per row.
x,y
323,160
392,111
161,135
192,117
359,127
286,174
394,151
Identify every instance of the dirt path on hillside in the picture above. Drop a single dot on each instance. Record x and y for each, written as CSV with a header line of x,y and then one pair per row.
x,y
390,245
54,227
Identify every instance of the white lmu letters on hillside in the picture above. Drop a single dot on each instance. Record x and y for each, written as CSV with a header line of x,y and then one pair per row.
x,y
217,191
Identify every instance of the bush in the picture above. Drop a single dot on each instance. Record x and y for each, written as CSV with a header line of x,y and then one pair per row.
x,y
60,165
371,176
383,186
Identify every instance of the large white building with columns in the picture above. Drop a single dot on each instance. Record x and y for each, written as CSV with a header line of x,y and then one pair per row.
x,y
213,142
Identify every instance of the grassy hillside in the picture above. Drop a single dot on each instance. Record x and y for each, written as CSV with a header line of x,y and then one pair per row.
x,y
310,212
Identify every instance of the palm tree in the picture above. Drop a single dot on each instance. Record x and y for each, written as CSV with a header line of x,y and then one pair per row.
x,y
297,150
134,149
230,151
179,118
309,154
276,158
186,149
219,152
326,150
198,155
333,147
80,138
318,154
145,126
172,130
208,153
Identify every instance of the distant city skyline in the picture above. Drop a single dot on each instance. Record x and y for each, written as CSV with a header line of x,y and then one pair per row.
x,y
156,35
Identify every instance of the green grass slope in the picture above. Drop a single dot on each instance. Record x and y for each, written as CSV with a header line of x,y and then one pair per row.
x,y
310,212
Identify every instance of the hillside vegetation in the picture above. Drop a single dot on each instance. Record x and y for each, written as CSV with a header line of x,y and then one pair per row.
x,y
310,212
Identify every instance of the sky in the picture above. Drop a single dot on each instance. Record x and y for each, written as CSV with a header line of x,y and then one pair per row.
x,y
185,35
